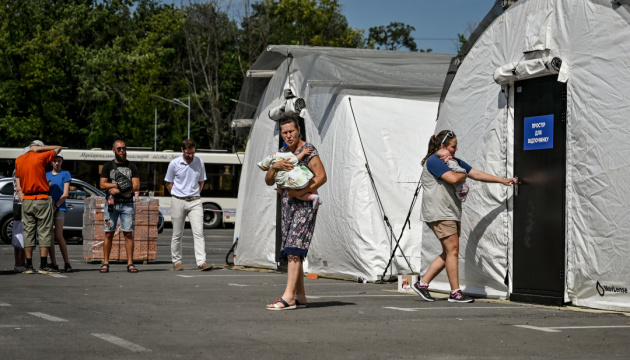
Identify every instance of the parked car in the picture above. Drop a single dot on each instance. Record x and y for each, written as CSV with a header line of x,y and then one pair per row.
x,y
73,225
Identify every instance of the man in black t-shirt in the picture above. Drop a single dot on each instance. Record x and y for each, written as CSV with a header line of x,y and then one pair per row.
x,y
123,208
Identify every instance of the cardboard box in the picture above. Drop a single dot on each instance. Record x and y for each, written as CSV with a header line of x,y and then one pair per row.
x,y
405,282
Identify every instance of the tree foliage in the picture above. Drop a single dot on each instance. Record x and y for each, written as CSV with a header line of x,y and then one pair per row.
x,y
301,22
394,36
211,68
81,73
461,38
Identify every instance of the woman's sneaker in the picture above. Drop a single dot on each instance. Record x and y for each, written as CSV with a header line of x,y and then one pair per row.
x,y
67,268
423,291
459,297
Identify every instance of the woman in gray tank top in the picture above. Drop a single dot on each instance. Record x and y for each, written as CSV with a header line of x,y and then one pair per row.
x,y
442,211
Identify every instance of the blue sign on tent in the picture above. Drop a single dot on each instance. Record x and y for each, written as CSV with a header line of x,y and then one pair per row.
x,y
538,132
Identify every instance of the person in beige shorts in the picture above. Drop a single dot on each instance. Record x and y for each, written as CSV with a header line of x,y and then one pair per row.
x,y
37,205
442,211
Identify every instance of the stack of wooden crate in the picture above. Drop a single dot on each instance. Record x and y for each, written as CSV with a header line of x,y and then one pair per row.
x,y
145,231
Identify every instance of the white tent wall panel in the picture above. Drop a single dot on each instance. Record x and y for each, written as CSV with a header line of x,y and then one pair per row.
x,y
351,239
256,222
593,40
341,244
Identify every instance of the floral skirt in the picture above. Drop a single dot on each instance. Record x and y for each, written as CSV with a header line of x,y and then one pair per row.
x,y
298,223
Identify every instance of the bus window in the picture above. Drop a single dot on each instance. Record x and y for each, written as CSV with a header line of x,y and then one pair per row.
x,y
88,171
221,180
159,173
146,180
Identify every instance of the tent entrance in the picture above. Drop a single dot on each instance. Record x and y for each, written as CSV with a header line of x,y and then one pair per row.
x,y
539,201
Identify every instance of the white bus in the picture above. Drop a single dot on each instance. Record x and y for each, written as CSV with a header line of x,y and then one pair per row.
x,y
219,193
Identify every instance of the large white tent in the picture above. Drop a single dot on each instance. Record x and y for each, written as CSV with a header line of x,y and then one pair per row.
x,y
592,39
394,98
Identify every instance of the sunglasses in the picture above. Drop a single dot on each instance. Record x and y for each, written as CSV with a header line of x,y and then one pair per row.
x,y
121,148
450,134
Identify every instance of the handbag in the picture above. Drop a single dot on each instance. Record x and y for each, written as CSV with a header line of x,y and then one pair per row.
x,y
124,183
17,238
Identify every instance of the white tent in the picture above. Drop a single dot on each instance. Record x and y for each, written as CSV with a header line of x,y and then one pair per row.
x,y
394,97
592,39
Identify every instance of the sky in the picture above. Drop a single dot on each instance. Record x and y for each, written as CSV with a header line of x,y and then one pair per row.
x,y
433,19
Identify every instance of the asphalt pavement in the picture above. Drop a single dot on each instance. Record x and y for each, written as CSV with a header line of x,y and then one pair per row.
x,y
162,314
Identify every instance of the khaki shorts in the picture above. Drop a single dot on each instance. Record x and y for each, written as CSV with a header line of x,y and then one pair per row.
x,y
445,228
37,217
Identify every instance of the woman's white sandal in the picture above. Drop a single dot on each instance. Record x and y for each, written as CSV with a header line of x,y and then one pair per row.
x,y
285,307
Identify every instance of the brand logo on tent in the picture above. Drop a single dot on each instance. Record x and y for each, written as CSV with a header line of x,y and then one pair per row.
x,y
602,289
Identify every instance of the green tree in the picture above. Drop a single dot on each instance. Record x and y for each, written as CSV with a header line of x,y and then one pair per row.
x,y
461,38
83,72
211,68
38,82
78,73
394,36
131,64
299,22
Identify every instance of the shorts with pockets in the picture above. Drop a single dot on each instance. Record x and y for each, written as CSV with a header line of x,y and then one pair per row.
x,y
445,228
125,213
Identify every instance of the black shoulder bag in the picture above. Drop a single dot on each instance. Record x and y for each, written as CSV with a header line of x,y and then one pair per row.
x,y
124,183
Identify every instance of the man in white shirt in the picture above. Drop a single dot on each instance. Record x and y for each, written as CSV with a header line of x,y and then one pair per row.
x,y
184,179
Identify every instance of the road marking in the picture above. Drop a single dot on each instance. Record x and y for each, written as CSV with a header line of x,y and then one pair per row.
x,y
58,275
245,275
15,326
236,285
5,304
401,309
121,342
452,307
559,328
349,296
47,317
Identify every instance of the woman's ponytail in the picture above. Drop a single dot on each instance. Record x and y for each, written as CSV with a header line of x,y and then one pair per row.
x,y
436,141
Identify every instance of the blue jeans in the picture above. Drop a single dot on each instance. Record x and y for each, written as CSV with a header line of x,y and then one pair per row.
x,y
125,212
